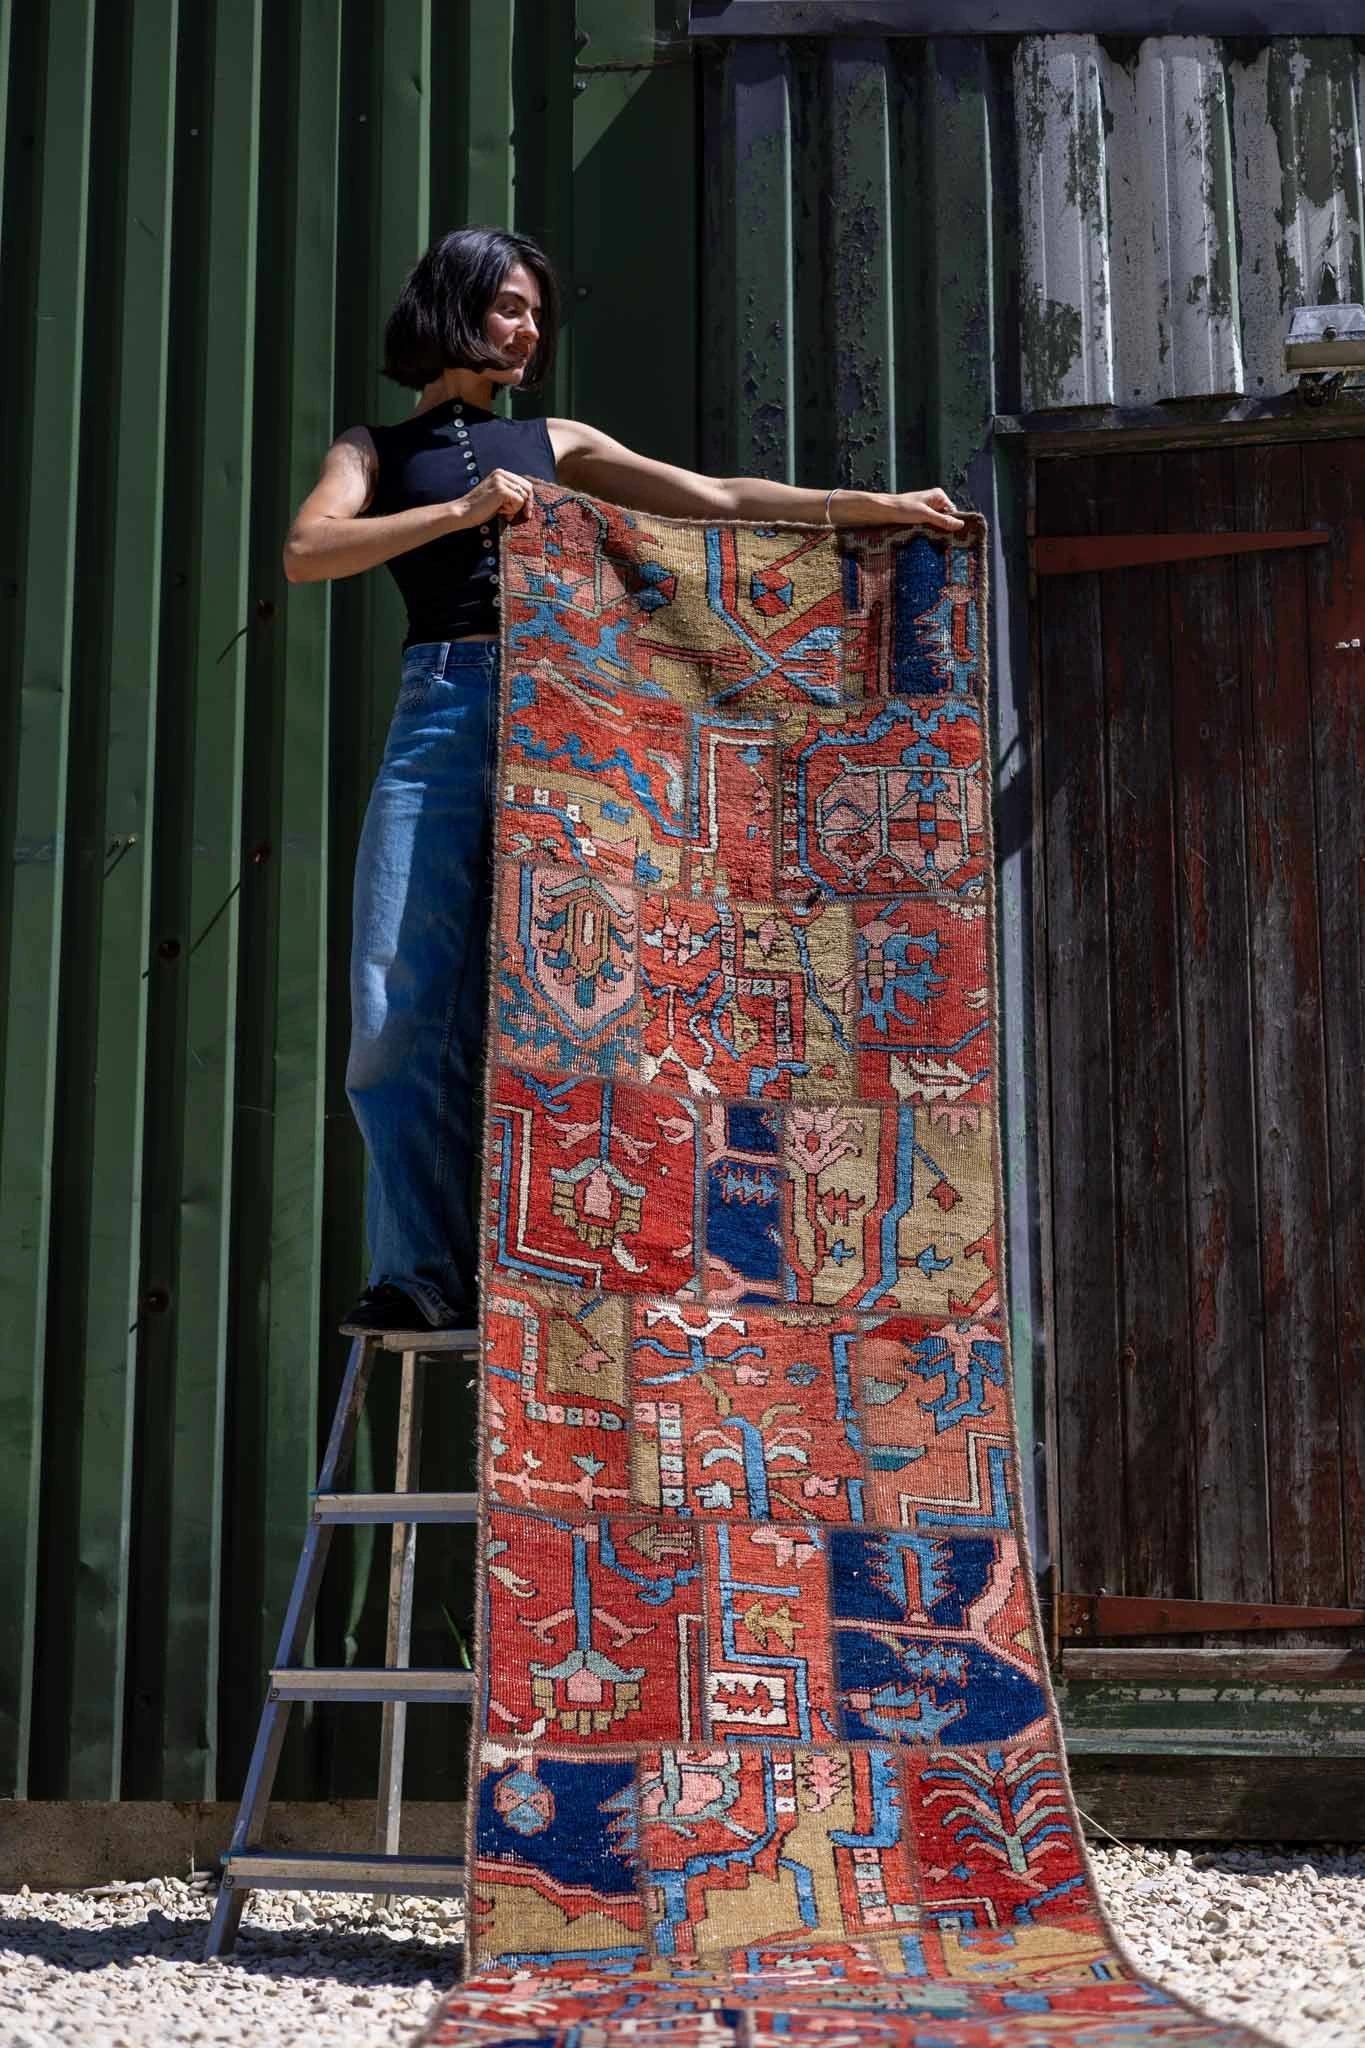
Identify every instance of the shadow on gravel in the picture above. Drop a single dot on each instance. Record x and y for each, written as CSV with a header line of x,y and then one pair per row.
x,y
362,1955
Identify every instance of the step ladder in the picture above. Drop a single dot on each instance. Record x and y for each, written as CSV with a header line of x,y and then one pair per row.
x,y
246,1867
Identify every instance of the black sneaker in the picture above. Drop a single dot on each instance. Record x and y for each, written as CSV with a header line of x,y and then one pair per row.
x,y
385,1307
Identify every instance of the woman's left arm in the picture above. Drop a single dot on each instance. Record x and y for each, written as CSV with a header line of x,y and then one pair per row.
x,y
588,460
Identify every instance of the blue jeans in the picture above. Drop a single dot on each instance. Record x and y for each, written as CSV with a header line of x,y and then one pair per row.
x,y
419,971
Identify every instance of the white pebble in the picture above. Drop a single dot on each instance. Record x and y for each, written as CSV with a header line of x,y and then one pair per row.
x,y
120,1967
1266,1934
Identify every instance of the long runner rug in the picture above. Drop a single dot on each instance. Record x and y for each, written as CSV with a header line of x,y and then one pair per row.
x,y
765,1749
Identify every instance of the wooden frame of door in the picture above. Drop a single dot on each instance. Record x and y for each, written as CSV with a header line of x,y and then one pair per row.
x,y
1278,423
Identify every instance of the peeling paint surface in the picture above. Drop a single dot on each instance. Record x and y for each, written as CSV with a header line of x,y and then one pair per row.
x,y
1091,223
1177,203
851,311
1114,1715
1066,294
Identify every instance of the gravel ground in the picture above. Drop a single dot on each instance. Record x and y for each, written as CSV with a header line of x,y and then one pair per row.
x,y
1272,1936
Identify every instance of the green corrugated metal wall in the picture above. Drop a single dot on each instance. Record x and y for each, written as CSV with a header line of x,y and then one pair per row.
x,y
778,258
207,211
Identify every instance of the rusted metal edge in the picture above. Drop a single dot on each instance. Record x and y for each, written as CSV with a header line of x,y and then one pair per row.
x,y
1091,1617
1074,554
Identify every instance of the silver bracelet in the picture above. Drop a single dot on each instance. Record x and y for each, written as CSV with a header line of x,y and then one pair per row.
x,y
830,493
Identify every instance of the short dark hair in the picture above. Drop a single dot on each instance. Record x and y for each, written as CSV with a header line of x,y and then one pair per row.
x,y
437,323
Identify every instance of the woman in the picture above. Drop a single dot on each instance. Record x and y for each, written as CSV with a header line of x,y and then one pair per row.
x,y
479,312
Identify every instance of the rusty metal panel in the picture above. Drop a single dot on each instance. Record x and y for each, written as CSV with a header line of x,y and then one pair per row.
x,y
1178,201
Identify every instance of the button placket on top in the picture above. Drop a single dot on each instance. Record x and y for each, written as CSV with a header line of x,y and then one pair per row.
x,y
489,559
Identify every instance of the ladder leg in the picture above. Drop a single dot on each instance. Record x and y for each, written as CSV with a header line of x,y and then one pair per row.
x,y
298,1619
402,1566
227,1918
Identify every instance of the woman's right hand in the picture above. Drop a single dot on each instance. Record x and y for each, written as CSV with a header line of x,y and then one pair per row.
x,y
502,494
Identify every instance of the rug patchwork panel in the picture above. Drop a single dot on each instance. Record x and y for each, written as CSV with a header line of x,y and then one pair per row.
x,y
765,1748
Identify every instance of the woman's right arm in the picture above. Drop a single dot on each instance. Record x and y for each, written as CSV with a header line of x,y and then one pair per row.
x,y
330,538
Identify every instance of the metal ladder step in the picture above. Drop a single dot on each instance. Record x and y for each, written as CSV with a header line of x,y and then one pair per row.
x,y
395,1507
426,1343
441,1687
282,1871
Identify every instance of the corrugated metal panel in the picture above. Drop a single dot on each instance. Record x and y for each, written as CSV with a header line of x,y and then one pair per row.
x,y
826,260
52,174
207,212
1299,188
1177,204
1176,198
853,303
1067,300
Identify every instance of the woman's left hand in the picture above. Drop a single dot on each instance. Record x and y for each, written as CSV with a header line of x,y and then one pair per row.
x,y
921,508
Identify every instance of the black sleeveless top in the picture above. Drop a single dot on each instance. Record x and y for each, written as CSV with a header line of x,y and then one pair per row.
x,y
450,585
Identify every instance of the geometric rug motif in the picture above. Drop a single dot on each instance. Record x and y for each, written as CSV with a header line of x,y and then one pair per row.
x,y
765,1748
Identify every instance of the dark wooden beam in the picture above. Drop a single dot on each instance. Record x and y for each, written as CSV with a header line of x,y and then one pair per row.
x,y
1228,1798
1195,423
1077,553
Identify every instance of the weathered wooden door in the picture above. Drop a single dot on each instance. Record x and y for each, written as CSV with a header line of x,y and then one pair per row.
x,y
1202,826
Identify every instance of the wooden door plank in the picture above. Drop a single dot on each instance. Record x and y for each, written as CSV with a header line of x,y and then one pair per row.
x,y
1224,1265
1334,494
1179,1662
1154,1340
1088,1401
1303,1424
1249,1797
